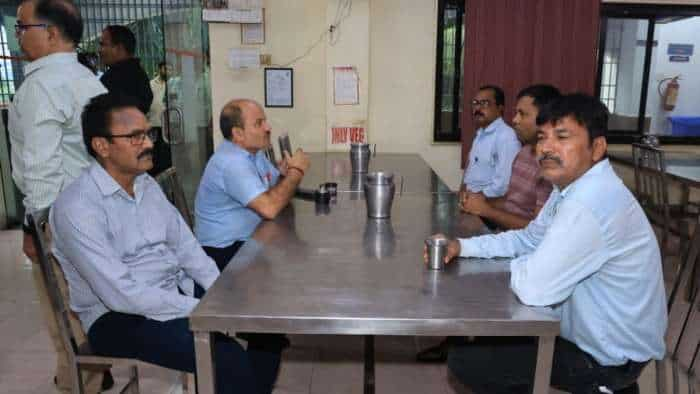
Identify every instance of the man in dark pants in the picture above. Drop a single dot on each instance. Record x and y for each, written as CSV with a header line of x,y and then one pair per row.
x,y
134,269
590,255
125,74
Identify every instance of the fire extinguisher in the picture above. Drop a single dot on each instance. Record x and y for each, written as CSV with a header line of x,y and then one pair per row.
x,y
670,94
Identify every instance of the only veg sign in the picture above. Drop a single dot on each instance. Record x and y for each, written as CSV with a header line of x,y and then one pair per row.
x,y
344,135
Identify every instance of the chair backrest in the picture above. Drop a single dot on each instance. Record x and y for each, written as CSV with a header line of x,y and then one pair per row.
x,y
172,188
53,277
683,334
650,176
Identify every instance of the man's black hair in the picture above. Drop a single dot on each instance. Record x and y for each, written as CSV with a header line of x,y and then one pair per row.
x,y
121,35
64,15
497,93
542,94
586,110
96,119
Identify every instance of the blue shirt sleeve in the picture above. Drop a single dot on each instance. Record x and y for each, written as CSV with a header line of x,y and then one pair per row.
x,y
506,148
243,182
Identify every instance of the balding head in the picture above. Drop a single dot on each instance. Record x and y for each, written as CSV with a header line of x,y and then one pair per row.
x,y
244,123
232,116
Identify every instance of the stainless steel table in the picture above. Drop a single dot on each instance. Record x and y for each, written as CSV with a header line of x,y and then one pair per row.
x,y
411,173
338,272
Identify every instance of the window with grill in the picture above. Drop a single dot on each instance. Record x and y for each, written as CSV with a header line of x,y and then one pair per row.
x,y
450,61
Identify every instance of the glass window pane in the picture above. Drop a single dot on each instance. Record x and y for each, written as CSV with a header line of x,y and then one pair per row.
x,y
674,35
623,69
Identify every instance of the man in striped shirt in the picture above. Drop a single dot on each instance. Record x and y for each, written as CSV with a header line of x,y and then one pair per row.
x,y
527,191
47,150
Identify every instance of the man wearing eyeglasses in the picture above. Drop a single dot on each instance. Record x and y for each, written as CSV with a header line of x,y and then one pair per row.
x,y
47,152
494,147
134,269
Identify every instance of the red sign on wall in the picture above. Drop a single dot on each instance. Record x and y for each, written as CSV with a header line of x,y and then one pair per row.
x,y
341,135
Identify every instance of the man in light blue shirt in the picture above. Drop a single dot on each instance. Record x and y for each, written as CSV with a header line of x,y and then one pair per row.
x,y
494,148
591,255
134,269
240,186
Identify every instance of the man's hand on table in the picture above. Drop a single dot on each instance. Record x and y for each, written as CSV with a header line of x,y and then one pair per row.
x,y
299,161
475,204
453,249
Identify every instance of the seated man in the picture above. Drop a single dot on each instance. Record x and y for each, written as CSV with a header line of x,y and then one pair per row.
x,y
494,147
240,186
591,255
527,191
133,267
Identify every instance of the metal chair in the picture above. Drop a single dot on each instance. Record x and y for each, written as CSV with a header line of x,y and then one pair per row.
x,y
682,338
651,187
172,188
80,357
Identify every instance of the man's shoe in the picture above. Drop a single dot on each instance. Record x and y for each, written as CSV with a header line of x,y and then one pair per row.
x,y
434,354
107,380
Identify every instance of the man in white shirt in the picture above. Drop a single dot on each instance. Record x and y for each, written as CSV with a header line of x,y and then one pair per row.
x,y
494,148
47,150
591,255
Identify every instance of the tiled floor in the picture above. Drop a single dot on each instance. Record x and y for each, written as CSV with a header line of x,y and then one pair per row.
x,y
313,365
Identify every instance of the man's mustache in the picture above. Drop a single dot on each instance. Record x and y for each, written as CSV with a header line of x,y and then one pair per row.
x,y
478,113
147,152
548,156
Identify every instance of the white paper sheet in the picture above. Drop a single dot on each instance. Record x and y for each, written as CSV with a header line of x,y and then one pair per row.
x,y
244,58
246,15
345,85
252,33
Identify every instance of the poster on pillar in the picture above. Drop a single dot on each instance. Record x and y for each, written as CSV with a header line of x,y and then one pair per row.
x,y
342,134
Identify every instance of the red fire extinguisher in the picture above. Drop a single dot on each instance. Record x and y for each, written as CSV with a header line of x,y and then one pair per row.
x,y
670,94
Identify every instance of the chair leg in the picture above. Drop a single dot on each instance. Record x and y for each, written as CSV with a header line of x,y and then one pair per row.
x,y
676,376
134,379
77,378
661,383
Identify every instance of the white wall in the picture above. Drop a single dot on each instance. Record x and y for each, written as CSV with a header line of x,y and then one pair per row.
x,y
392,44
686,31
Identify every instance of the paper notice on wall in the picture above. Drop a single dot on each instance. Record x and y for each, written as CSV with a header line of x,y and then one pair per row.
x,y
254,15
216,15
345,135
244,58
346,85
245,4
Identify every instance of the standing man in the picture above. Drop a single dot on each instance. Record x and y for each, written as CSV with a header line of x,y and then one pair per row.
x,y
527,190
125,74
44,122
159,87
590,255
240,186
494,147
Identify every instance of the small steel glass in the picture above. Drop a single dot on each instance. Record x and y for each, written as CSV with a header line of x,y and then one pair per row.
x,y
437,250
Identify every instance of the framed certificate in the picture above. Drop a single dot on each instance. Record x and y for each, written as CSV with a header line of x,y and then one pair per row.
x,y
279,87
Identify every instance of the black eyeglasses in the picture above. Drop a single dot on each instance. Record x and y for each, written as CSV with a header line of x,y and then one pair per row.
x,y
481,103
138,136
21,27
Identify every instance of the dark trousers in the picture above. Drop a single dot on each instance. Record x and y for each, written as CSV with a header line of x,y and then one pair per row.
x,y
171,344
498,365
223,255
162,156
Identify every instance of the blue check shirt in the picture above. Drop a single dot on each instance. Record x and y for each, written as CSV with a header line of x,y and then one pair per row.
x,y
232,179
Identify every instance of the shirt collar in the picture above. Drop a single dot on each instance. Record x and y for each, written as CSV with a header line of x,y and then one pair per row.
x,y
108,186
597,169
48,60
492,126
229,146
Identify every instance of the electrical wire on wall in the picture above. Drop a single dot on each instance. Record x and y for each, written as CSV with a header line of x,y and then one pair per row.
x,y
342,12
